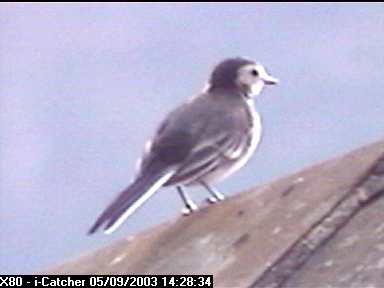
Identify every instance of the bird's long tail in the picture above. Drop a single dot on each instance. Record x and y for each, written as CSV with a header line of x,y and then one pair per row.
x,y
131,198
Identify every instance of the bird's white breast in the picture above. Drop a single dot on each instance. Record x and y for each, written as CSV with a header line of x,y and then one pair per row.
x,y
255,136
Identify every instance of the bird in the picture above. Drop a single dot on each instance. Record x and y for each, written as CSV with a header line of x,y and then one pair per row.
x,y
200,142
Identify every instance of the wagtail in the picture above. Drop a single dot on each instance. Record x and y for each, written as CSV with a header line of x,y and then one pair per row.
x,y
202,141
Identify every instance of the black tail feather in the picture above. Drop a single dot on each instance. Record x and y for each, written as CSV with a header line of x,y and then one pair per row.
x,y
127,198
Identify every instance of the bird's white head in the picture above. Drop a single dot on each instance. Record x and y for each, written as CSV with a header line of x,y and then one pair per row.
x,y
252,78
242,75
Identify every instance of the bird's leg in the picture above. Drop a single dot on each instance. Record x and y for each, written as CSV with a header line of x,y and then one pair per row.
x,y
190,206
215,195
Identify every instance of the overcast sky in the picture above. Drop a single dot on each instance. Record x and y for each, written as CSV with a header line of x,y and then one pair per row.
x,y
82,87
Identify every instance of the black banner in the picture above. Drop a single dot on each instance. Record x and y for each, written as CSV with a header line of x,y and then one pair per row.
x,y
32,281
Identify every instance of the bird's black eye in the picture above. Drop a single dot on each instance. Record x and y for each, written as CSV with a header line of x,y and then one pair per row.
x,y
254,72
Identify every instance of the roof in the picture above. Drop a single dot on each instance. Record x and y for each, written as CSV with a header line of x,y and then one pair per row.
x,y
322,226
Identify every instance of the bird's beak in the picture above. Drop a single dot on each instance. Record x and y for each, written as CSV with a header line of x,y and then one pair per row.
x,y
269,80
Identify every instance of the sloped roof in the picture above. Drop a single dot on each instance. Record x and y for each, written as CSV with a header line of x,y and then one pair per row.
x,y
322,226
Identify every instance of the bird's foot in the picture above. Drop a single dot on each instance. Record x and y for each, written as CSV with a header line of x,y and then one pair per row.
x,y
189,208
211,200
219,196
214,199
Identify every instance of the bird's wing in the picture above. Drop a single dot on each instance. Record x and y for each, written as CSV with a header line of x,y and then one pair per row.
x,y
209,154
216,134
